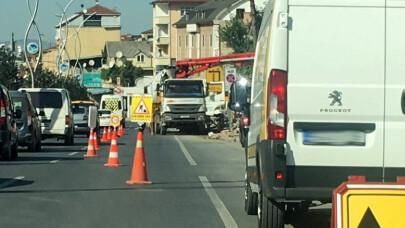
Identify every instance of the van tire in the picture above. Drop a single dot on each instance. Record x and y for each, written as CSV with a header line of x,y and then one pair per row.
x,y
250,199
69,139
33,144
271,213
38,146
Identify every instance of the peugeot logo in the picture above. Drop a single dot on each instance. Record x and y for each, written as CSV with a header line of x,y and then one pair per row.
x,y
337,98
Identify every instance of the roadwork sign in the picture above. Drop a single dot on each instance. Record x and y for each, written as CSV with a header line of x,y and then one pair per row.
x,y
361,204
141,108
115,120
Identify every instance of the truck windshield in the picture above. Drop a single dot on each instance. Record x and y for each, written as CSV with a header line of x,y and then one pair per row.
x,y
184,89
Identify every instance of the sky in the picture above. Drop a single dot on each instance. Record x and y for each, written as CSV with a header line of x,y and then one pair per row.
x,y
136,16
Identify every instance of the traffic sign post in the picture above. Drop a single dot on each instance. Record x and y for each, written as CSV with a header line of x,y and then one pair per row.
x,y
360,204
230,77
141,109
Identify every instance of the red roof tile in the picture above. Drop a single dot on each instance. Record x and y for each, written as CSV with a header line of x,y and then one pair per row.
x,y
179,1
99,9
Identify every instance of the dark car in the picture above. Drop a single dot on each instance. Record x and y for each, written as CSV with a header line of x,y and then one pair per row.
x,y
81,111
8,128
29,125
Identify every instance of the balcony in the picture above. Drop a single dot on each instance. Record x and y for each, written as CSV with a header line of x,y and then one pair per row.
x,y
162,20
164,40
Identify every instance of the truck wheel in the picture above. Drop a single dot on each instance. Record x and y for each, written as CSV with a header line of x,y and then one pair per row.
x,y
270,213
38,146
163,130
250,199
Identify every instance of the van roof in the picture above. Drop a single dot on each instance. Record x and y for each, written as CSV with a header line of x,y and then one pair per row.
x,y
82,102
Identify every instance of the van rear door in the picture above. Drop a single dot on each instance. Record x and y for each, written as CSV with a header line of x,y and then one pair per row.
x,y
335,91
395,90
51,102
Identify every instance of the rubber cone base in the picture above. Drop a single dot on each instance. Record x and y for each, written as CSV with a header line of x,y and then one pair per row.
x,y
114,165
139,182
90,156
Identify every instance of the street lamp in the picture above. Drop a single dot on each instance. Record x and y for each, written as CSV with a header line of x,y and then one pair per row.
x,y
33,49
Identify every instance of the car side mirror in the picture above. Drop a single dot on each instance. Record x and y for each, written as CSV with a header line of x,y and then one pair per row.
x,y
17,114
41,113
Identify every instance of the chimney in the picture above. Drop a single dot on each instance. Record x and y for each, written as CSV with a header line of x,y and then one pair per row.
x,y
97,3
12,42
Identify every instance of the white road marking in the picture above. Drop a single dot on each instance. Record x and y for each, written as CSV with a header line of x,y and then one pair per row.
x,y
219,205
54,161
74,153
84,148
185,152
7,183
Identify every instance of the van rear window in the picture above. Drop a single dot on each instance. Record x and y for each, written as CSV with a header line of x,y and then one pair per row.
x,y
46,99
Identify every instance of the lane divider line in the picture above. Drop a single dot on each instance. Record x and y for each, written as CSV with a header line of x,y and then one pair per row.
x,y
7,183
226,217
74,153
185,152
54,161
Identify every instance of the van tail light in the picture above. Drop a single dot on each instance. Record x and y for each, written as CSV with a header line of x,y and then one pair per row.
x,y
29,117
244,121
277,105
2,112
85,118
67,120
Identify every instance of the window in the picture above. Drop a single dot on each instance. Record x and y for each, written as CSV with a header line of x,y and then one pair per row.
x,y
94,20
140,58
203,41
192,40
185,9
179,41
240,13
210,40
186,41
46,99
197,14
202,14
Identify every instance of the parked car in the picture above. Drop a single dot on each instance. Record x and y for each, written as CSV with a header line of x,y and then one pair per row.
x,y
81,117
104,115
8,127
29,125
54,107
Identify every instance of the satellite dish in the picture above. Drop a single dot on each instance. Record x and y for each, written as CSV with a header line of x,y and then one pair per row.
x,y
85,11
118,54
111,64
84,65
91,62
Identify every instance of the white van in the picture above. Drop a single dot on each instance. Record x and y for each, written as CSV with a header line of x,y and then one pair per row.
x,y
54,108
114,103
327,101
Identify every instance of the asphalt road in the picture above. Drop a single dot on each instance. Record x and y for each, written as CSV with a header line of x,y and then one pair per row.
x,y
196,183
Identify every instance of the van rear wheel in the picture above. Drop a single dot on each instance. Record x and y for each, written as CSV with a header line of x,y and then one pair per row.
x,y
6,152
270,213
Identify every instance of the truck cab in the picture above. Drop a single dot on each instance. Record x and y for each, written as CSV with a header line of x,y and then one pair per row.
x,y
183,105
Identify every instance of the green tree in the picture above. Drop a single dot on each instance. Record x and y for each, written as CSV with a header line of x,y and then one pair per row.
x,y
127,72
237,35
9,70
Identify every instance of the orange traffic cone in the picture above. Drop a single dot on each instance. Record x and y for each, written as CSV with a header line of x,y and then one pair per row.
x,y
113,156
104,139
95,141
90,148
109,133
139,175
120,130
114,134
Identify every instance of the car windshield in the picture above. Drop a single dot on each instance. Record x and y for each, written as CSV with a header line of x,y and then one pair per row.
x,y
46,99
79,108
104,112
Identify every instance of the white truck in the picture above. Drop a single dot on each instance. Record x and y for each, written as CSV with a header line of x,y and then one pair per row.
x,y
182,106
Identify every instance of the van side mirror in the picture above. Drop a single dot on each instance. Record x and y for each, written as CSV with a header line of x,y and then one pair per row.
x,y
17,114
41,113
238,99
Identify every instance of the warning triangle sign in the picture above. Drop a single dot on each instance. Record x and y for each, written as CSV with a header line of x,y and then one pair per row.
x,y
368,220
141,108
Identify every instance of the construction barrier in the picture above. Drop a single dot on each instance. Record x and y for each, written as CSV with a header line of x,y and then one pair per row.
x,y
91,152
113,155
139,173
104,138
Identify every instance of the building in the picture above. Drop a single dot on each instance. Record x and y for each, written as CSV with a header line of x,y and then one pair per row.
x,y
49,56
197,33
165,14
86,33
138,52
